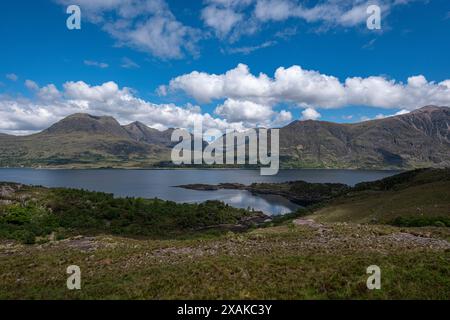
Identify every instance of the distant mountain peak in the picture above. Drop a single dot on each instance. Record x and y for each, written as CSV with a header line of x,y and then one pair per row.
x,y
88,124
137,124
431,108
81,115
418,138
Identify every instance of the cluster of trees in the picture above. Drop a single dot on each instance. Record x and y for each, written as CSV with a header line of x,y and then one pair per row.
x,y
63,211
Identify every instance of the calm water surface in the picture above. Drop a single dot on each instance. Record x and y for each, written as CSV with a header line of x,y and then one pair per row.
x,y
160,183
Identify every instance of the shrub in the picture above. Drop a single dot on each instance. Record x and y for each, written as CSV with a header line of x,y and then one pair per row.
x,y
421,221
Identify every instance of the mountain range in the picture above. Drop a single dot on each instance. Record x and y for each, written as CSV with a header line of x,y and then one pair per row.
x,y
420,138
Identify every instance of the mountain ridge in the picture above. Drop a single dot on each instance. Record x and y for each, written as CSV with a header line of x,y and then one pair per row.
x,y
420,138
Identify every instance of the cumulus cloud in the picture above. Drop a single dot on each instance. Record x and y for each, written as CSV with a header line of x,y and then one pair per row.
x,y
148,26
310,114
235,110
252,114
49,104
281,119
236,83
310,89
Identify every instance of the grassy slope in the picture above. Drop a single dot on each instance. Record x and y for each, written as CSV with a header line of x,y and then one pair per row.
x,y
413,195
428,200
285,262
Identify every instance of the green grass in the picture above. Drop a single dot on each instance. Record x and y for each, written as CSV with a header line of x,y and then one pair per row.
x,y
274,263
424,196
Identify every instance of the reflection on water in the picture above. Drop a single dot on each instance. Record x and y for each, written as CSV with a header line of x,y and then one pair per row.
x,y
266,203
160,183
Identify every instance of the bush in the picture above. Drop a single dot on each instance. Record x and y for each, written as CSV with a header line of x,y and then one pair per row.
x,y
24,236
17,214
58,210
421,222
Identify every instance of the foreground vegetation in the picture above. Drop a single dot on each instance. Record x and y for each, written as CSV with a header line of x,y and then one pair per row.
x,y
29,213
285,262
153,249
415,198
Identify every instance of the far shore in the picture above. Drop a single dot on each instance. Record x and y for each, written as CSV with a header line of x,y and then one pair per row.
x,y
197,168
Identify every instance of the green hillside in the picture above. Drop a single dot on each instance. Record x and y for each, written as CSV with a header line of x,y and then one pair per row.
x,y
85,141
420,197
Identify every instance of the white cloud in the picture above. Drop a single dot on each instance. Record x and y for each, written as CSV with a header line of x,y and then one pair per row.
x,y
250,49
398,113
246,111
148,26
222,20
281,119
12,76
91,63
202,86
344,13
31,85
403,111
310,114
230,19
236,83
49,93
49,104
162,36
127,63
82,91
276,10
238,18
310,89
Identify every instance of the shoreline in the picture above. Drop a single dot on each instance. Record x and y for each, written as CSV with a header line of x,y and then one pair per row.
x,y
194,168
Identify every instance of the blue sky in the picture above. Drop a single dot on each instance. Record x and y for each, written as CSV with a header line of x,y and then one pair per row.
x,y
120,55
